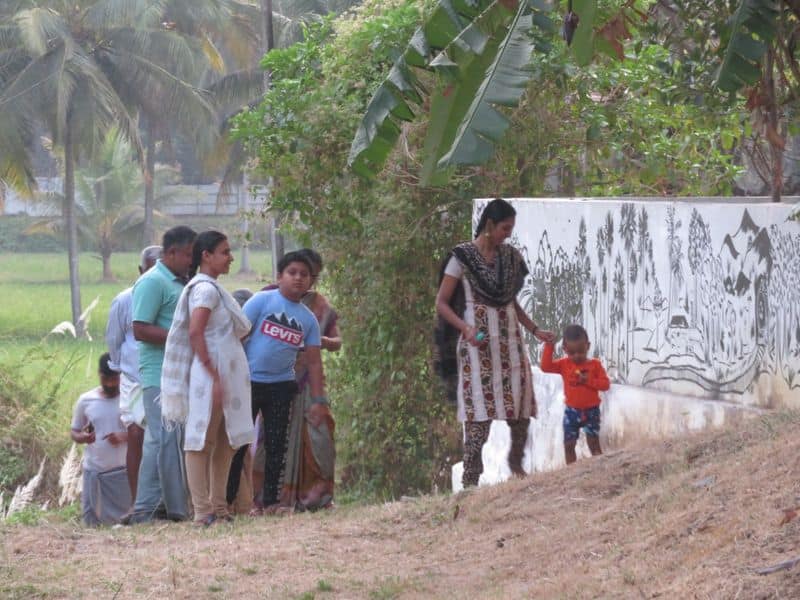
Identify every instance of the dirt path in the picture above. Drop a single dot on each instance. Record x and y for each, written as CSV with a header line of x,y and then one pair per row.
x,y
692,518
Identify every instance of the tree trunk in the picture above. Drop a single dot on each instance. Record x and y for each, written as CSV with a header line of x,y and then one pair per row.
x,y
106,250
148,235
108,275
72,231
775,139
244,229
268,42
276,246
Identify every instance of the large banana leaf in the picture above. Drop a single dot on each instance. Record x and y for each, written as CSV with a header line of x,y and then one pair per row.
x,y
396,98
502,85
462,60
463,66
583,42
753,27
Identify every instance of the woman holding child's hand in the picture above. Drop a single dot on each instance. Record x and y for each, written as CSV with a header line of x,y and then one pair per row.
x,y
477,299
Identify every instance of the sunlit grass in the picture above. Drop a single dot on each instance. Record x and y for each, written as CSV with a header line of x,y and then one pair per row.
x,y
34,294
34,289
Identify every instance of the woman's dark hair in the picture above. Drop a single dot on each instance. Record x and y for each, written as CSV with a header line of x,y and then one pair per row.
x,y
497,210
313,256
297,256
206,241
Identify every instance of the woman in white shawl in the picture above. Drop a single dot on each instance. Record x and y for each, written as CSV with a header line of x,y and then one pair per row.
x,y
205,382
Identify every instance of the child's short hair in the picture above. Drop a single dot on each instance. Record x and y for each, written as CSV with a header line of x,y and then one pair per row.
x,y
104,368
575,333
313,256
294,257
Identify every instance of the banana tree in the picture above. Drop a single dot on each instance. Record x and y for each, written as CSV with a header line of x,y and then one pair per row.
x,y
465,44
759,48
467,62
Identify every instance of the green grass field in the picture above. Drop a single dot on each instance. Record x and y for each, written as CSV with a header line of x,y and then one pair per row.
x,y
35,297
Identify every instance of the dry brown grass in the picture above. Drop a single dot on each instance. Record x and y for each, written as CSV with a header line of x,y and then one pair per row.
x,y
688,518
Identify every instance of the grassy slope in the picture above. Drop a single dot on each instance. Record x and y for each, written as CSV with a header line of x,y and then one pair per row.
x,y
680,519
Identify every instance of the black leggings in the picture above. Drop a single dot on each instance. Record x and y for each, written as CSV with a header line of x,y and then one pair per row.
x,y
274,400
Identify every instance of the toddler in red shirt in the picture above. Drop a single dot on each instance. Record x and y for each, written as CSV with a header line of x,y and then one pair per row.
x,y
583,379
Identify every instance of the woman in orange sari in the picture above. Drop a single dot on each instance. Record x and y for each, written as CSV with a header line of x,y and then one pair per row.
x,y
311,457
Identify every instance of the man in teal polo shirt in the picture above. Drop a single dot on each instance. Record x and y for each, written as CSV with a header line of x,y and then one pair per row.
x,y
155,295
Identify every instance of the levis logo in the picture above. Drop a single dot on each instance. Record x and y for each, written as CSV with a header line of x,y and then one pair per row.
x,y
280,328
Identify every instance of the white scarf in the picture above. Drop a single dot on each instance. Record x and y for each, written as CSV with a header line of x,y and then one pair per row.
x,y
178,352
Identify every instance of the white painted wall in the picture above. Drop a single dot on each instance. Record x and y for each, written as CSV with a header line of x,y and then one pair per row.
x,y
698,321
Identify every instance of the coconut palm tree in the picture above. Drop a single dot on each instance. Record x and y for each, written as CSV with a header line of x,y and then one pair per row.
x,y
224,31
82,68
107,205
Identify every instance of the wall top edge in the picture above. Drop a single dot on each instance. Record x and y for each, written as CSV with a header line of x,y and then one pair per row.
x,y
786,200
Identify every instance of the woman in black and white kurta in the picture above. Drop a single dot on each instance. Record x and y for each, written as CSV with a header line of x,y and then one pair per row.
x,y
205,379
477,297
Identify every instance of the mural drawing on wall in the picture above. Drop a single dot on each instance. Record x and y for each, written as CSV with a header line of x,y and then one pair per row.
x,y
702,299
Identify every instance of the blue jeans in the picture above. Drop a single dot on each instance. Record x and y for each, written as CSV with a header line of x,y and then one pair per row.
x,y
162,476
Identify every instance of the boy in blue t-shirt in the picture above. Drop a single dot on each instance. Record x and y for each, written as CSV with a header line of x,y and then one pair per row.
x,y
282,327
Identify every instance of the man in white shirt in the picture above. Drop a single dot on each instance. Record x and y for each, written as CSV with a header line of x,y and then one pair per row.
x,y
96,422
123,348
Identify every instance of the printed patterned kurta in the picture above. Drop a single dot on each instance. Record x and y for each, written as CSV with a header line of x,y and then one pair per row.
x,y
495,379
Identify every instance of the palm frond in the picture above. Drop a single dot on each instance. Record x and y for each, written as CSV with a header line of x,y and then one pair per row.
x,y
16,143
162,93
177,54
97,108
38,27
234,165
108,15
298,8
213,56
236,90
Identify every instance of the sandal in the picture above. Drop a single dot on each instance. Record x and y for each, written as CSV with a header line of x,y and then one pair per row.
x,y
206,521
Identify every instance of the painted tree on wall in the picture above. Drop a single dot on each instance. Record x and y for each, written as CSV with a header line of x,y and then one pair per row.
x,y
784,303
699,244
627,233
644,255
618,314
593,296
608,238
675,259
600,246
